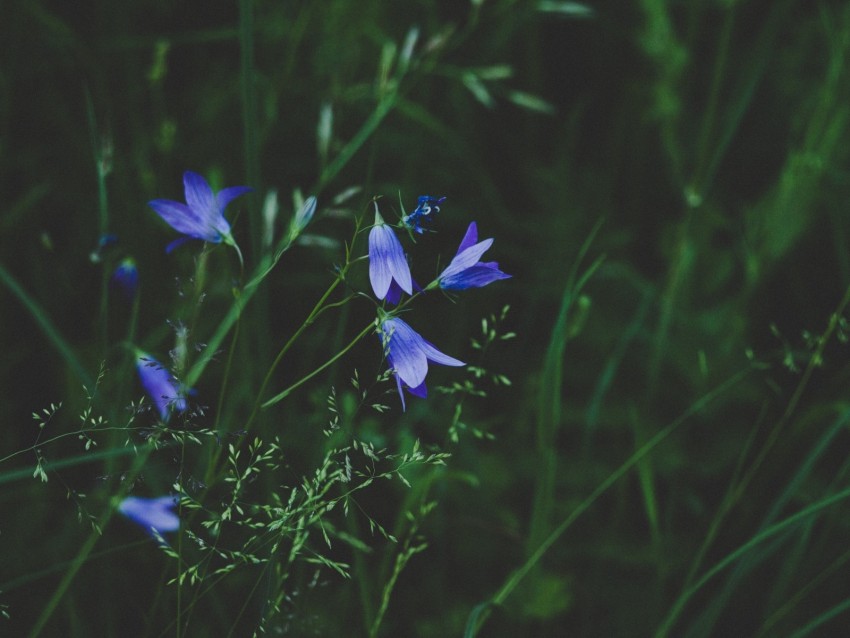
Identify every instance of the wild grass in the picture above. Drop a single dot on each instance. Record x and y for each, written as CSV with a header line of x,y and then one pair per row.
x,y
649,436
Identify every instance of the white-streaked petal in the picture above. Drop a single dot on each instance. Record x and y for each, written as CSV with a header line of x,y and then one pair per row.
x,y
180,217
199,195
393,254
466,258
438,357
407,355
478,276
387,261
151,512
379,268
159,384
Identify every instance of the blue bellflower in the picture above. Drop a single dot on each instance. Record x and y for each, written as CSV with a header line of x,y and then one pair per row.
x,y
160,385
151,513
202,216
408,354
386,260
423,214
465,270
125,278
394,293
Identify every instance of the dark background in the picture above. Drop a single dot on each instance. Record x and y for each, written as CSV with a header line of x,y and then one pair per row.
x,y
698,150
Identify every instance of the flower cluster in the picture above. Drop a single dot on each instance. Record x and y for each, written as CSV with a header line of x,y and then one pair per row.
x,y
407,352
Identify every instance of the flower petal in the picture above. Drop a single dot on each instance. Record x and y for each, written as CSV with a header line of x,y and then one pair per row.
x,y
177,243
405,352
420,391
151,512
400,393
477,276
379,269
223,198
387,261
466,258
394,292
470,238
199,197
393,295
160,385
125,278
181,218
432,354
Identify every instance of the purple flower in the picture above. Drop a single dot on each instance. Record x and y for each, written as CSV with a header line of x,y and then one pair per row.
x,y
151,513
408,355
202,216
160,385
465,271
125,277
386,260
423,214
394,293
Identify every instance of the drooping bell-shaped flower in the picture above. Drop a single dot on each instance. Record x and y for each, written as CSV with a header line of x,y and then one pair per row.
x,y
386,259
408,354
125,277
202,216
160,384
151,513
465,270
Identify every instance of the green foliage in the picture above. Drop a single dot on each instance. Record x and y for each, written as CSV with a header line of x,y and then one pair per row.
x,y
650,442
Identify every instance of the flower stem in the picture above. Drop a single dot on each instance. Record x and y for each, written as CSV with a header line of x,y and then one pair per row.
x,y
279,397
310,318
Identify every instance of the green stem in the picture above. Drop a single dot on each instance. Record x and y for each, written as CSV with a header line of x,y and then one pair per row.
x,y
482,612
737,492
279,397
88,546
249,111
179,626
46,326
743,549
310,318
369,126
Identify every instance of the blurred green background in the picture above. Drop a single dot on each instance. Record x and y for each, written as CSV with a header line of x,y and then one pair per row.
x,y
668,184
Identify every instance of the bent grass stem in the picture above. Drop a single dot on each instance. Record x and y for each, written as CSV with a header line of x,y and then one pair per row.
x,y
480,614
282,395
